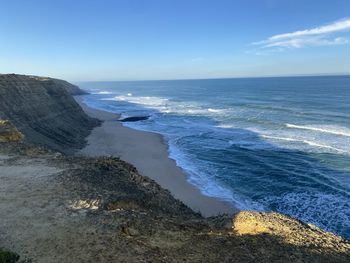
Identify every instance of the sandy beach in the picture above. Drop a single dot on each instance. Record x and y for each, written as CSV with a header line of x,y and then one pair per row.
x,y
149,154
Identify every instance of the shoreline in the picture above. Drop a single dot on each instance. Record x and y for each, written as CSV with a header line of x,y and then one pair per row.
x,y
148,152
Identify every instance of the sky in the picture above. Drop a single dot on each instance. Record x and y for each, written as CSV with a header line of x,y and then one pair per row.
x,y
91,40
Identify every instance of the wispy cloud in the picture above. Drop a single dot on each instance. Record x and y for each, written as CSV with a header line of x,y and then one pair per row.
x,y
318,36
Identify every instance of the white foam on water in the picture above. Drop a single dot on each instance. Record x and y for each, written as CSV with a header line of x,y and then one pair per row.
x,y
225,126
342,131
102,93
200,111
311,143
146,101
215,110
165,105
207,185
191,109
323,146
328,211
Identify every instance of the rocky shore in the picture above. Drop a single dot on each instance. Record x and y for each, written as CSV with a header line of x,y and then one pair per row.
x,y
57,207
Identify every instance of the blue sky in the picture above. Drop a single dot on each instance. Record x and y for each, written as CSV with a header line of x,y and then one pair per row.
x,y
174,39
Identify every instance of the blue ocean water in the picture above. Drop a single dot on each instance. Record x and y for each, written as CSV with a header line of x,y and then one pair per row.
x,y
267,144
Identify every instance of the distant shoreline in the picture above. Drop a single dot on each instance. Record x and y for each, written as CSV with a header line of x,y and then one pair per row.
x,y
148,152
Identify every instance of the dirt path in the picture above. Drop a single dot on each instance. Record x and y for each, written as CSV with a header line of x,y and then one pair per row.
x,y
30,210
39,219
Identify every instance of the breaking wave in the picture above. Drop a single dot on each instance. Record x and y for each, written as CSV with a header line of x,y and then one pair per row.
x,y
325,129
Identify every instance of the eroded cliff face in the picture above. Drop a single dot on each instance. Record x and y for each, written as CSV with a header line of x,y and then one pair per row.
x,y
44,111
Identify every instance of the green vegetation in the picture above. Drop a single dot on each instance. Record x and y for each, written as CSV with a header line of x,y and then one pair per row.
x,y
8,256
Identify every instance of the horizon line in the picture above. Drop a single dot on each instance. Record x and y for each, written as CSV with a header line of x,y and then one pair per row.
x,y
216,78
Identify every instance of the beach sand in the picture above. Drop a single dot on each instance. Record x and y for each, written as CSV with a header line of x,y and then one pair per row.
x,y
148,152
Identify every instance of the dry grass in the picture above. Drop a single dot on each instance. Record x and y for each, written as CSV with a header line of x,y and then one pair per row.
x,y
9,133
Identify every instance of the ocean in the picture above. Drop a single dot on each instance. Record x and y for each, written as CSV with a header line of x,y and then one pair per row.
x,y
265,144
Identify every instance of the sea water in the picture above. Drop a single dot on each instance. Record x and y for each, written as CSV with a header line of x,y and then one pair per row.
x,y
266,144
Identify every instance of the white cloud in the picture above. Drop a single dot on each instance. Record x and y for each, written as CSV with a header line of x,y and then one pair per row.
x,y
318,36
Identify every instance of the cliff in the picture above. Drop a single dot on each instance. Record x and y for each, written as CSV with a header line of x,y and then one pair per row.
x,y
44,111
58,209
62,208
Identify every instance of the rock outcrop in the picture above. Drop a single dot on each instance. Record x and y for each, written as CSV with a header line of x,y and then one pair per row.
x,y
9,133
44,111
135,118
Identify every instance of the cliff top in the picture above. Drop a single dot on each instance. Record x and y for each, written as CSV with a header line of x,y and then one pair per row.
x,y
70,88
113,214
